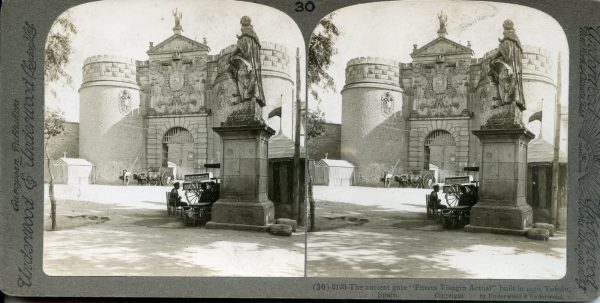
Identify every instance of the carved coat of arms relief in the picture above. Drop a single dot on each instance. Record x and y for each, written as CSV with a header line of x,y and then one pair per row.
x,y
387,104
124,102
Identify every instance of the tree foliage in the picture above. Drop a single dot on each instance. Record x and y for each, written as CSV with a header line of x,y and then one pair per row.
x,y
315,120
320,51
54,123
58,49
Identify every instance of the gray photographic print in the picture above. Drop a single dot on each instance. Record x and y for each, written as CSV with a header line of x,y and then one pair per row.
x,y
442,151
322,149
175,132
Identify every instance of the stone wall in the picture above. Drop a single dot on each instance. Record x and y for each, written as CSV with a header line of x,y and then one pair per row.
x,y
67,141
372,70
420,129
109,68
111,126
329,142
158,127
373,131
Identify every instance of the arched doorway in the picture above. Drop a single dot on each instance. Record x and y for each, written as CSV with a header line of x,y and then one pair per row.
x,y
440,154
178,148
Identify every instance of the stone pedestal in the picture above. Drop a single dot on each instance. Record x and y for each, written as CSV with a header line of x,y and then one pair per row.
x,y
502,206
243,202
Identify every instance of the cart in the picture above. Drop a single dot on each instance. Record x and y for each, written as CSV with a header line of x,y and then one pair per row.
x,y
461,194
418,179
201,191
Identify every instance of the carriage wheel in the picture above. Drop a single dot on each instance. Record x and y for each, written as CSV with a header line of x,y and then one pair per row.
x,y
453,195
193,192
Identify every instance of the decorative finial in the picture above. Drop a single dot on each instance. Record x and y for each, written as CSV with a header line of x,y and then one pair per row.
x,y
414,47
177,29
204,40
442,32
469,43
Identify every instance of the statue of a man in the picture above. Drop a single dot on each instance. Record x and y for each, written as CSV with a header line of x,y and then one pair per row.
x,y
245,65
178,17
443,19
506,69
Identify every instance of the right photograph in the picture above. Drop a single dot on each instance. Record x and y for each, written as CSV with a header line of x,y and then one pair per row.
x,y
437,142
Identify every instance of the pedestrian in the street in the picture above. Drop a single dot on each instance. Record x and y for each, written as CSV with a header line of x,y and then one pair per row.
x,y
126,176
387,179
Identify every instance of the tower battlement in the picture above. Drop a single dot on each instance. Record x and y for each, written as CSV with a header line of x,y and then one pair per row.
x,y
109,68
373,69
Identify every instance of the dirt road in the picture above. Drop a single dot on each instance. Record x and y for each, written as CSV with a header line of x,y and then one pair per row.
x,y
125,231
378,232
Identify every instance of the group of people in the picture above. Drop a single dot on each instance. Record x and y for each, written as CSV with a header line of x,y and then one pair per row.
x,y
209,194
468,197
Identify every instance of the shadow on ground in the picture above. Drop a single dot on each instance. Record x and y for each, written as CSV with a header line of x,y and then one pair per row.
x,y
401,244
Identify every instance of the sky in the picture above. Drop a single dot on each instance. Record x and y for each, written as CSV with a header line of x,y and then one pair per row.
x,y
389,29
125,28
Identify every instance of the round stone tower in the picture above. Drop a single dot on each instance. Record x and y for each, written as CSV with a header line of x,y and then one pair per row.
x,y
278,86
373,119
539,87
110,127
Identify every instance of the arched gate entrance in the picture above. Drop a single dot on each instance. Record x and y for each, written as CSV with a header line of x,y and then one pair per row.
x,y
440,152
178,148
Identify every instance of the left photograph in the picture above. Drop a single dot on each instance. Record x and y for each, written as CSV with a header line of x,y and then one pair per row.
x,y
174,143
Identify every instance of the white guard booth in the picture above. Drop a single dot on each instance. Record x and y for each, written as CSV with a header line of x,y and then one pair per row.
x,y
334,173
78,171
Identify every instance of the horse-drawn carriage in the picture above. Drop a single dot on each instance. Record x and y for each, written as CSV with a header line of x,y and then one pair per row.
x,y
461,194
416,179
155,176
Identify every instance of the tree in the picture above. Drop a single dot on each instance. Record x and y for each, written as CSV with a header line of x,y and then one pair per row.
x,y
321,49
315,120
56,55
53,126
58,50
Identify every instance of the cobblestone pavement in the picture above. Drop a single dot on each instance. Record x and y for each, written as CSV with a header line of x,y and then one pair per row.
x,y
125,231
399,241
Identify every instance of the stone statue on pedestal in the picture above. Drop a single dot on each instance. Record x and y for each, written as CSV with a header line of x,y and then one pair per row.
x,y
177,28
506,75
442,31
502,206
506,69
245,65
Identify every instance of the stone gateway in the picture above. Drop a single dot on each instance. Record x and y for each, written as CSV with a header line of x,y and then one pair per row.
x,y
421,114
159,112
